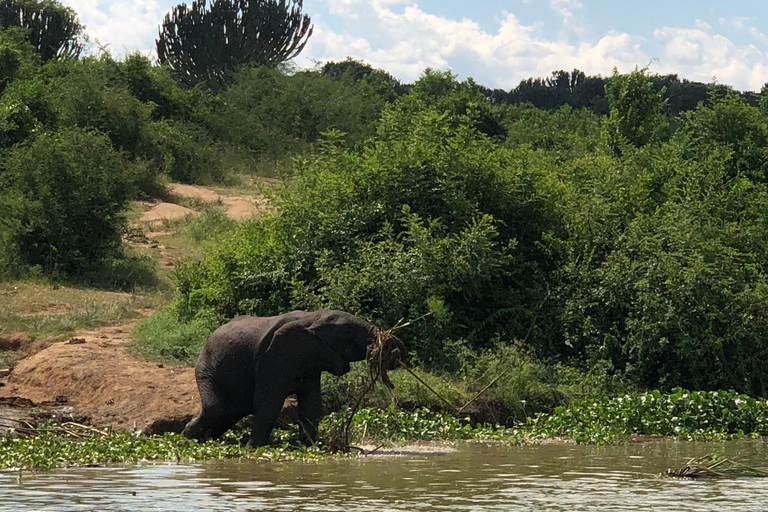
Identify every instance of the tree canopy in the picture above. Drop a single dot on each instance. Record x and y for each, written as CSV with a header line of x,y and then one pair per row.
x,y
207,44
53,29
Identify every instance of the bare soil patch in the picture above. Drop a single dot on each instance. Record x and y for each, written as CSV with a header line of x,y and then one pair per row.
x,y
93,375
164,212
238,207
96,376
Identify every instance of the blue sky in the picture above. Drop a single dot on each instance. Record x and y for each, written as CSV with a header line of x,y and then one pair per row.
x,y
500,42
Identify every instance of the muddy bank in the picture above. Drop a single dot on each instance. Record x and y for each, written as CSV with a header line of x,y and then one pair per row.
x,y
96,377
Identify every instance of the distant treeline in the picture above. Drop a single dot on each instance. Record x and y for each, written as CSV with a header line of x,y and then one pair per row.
x,y
578,90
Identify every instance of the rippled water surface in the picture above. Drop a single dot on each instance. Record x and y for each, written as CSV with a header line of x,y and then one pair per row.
x,y
463,477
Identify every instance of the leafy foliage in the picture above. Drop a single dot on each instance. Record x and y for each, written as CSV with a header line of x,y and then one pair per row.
x,y
682,413
427,215
69,192
635,110
275,114
206,45
18,58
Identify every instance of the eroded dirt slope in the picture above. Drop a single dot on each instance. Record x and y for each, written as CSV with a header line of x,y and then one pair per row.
x,y
98,377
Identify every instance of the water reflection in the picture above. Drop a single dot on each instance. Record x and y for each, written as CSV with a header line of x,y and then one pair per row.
x,y
474,477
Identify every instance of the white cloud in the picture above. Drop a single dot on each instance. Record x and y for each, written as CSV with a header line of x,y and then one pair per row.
x,y
758,36
405,43
572,26
701,55
123,26
399,36
565,8
738,22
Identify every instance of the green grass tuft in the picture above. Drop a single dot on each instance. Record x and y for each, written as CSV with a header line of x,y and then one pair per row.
x,y
162,337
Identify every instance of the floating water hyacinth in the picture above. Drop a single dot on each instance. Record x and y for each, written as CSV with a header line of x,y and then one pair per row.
x,y
712,466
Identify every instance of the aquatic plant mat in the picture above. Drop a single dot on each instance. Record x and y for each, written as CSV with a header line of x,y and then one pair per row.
x,y
712,466
72,444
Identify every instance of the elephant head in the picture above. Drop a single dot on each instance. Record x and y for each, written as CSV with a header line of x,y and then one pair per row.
x,y
352,337
346,334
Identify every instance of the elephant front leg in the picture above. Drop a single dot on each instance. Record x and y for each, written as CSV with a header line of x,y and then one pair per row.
x,y
310,405
265,411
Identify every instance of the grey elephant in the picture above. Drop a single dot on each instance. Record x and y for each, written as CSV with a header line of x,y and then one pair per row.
x,y
251,364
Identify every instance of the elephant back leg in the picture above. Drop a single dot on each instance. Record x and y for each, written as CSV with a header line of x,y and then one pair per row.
x,y
215,417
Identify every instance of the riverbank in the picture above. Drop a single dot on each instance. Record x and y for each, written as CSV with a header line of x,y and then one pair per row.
x,y
682,415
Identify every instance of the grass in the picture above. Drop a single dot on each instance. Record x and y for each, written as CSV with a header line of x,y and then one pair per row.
x,y
43,309
162,337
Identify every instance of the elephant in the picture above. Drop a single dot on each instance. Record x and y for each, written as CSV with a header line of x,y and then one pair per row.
x,y
250,365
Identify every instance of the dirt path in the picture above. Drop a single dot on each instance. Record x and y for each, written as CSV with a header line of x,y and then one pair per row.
x,y
96,375
238,207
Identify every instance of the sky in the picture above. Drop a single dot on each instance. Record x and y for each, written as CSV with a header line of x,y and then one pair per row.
x,y
500,42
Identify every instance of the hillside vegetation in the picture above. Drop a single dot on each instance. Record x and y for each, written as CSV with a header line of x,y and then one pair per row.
x,y
612,236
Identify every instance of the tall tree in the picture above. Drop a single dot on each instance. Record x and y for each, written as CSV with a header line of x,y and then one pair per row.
x,y
636,110
208,45
52,29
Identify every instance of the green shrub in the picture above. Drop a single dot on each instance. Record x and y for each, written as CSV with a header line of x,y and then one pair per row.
x,y
25,109
183,152
18,58
273,112
428,216
728,125
212,223
678,297
69,192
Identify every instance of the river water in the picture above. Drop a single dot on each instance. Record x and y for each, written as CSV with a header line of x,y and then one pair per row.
x,y
455,477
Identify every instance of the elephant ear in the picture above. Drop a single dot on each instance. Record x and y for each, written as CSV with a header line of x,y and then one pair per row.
x,y
296,347
345,333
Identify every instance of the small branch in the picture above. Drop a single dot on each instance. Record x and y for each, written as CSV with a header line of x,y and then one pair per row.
x,y
438,395
482,391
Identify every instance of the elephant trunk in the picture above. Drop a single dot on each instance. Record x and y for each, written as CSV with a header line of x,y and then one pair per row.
x,y
384,353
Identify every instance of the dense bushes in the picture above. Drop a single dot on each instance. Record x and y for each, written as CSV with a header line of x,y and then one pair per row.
x,y
65,195
614,243
428,217
276,113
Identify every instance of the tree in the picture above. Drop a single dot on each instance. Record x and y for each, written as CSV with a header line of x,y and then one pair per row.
x,y
18,58
53,29
636,110
208,45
